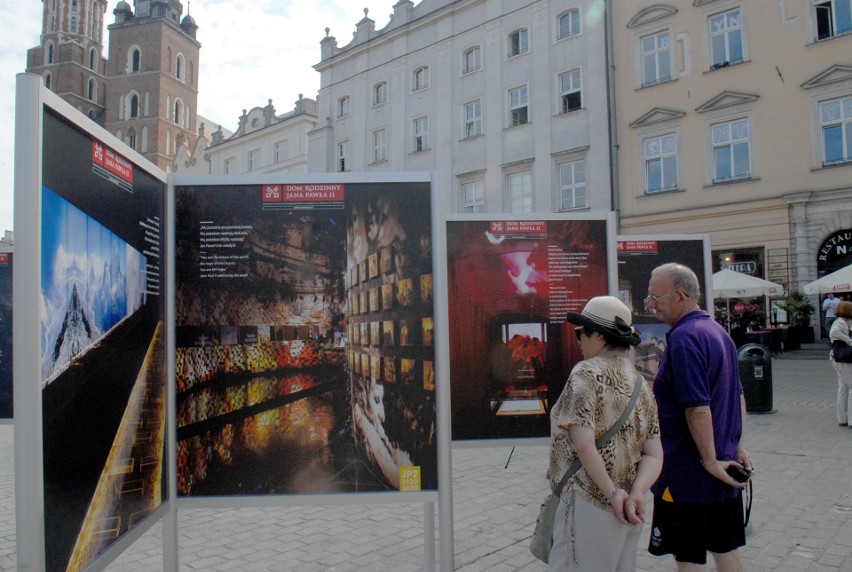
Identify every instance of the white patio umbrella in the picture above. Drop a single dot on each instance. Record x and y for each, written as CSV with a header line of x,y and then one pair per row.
x,y
729,284
837,281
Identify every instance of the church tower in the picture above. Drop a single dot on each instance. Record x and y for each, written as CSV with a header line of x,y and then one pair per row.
x,y
152,92
70,56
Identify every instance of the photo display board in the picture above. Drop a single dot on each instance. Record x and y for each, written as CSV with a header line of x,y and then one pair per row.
x,y
102,353
637,257
304,338
6,404
510,284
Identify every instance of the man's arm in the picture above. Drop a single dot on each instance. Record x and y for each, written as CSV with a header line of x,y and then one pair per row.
x,y
700,422
742,455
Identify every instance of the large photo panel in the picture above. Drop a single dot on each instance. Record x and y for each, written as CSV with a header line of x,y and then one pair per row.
x,y
304,338
96,258
510,286
637,258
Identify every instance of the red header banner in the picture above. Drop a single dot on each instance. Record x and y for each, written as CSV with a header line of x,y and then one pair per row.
x,y
114,163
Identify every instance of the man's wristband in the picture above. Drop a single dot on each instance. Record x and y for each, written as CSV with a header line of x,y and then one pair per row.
x,y
708,464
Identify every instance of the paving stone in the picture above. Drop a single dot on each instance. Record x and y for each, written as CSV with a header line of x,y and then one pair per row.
x,y
802,516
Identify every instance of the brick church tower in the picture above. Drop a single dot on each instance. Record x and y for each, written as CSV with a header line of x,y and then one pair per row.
x,y
70,58
146,91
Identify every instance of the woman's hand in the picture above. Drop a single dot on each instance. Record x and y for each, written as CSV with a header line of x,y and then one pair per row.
x,y
634,508
620,503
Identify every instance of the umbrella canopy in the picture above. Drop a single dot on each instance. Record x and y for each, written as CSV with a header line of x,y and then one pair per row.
x,y
730,284
837,281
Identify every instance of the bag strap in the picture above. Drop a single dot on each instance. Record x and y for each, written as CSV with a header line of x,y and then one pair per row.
x,y
604,439
749,499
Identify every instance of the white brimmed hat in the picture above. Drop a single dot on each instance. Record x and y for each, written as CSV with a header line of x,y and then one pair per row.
x,y
607,315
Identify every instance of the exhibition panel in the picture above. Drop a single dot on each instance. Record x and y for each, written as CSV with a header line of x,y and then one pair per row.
x,y
637,257
94,385
511,282
304,338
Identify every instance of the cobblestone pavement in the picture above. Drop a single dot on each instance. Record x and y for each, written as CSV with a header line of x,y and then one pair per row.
x,y
802,517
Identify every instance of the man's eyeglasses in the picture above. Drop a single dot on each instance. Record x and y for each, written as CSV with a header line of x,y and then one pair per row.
x,y
651,300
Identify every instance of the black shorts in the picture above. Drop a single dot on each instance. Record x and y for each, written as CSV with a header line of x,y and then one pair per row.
x,y
689,530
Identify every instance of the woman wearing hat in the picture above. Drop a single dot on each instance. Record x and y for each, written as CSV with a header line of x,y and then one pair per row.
x,y
598,523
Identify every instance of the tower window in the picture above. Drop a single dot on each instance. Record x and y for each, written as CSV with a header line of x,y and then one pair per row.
x,y
179,71
178,112
135,59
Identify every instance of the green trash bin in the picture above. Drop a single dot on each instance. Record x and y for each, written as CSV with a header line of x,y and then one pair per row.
x,y
755,364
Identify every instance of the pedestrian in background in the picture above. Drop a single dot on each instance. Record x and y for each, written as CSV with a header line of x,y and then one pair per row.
x,y
839,333
697,504
598,522
829,309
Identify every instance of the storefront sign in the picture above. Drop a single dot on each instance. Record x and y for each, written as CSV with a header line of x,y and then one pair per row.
x,y
743,267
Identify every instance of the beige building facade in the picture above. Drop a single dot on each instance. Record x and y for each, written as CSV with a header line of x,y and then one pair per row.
x,y
505,103
264,142
734,119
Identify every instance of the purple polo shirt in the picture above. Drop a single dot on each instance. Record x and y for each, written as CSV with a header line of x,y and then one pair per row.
x,y
699,367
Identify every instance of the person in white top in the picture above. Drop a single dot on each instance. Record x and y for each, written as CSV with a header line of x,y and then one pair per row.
x,y
829,306
840,334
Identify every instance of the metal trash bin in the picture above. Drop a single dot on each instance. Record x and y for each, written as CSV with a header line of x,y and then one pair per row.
x,y
755,364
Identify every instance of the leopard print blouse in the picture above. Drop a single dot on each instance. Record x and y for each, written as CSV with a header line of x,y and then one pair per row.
x,y
595,396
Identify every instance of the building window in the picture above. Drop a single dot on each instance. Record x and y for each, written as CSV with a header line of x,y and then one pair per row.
x,y
230,164
421,134
47,80
177,116
380,93
731,156
344,106
472,119
74,6
656,58
73,24
343,156
833,18
660,163
131,138
473,197
380,145
253,159
570,96
282,151
179,64
49,59
726,38
518,98
520,192
572,185
92,59
91,90
135,59
421,78
519,42
836,121
569,23
134,106
472,59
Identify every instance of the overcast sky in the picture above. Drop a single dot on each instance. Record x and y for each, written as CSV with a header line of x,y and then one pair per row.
x,y
250,52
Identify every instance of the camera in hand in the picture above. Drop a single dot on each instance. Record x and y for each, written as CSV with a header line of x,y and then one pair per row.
x,y
739,474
